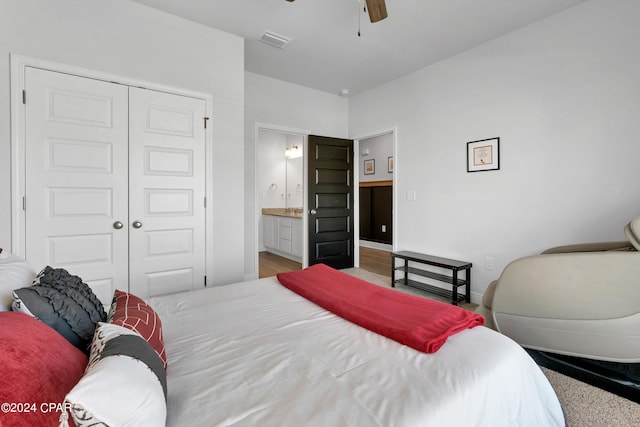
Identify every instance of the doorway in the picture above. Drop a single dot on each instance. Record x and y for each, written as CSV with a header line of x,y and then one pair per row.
x,y
376,202
280,189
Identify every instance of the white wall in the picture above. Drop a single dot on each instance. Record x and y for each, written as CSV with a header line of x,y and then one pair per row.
x,y
379,149
563,95
290,108
131,40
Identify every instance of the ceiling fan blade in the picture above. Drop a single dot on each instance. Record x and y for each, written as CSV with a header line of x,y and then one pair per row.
x,y
377,10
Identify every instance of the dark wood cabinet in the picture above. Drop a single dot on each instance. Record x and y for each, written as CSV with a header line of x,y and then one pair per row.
x,y
376,213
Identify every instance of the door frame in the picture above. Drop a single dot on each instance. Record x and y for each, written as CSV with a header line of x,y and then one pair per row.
x,y
19,63
258,126
394,192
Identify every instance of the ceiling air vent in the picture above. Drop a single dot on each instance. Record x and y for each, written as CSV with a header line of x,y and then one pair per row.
x,y
274,39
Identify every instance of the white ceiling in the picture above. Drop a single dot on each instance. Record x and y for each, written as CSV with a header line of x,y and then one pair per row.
x,y
326,53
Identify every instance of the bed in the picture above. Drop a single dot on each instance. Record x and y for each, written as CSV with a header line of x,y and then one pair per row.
x,y
254,353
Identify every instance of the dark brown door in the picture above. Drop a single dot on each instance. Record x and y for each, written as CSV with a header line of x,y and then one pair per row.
x,y
365,213
381,202
330,201
376,213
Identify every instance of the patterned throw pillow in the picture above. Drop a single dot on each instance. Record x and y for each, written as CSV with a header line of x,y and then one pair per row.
x,y
64,302
133,313
124,384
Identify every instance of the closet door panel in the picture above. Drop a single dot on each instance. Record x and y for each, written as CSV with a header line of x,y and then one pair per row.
x,y
76,185
166,175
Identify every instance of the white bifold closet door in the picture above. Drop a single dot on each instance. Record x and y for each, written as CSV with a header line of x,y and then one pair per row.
x,y
166,192
114,184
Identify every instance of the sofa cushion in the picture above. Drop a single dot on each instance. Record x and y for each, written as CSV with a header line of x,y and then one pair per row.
x,y
15,273
63,302
39,367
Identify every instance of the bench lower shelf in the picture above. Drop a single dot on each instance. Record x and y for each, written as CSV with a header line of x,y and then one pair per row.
x,y
431,289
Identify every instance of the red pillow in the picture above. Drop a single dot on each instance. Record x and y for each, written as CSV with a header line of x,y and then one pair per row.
x,y
135,314
39,368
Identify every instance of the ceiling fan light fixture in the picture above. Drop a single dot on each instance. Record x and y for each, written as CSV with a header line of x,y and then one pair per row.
x,y
275,40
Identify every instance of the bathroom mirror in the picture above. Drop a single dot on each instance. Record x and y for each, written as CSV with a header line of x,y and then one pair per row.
x,y
293,181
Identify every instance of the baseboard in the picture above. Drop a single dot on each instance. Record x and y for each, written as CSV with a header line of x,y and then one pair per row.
x,y
284,255
376,245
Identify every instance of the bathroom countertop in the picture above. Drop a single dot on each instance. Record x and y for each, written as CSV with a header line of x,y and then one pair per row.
x,y
287,212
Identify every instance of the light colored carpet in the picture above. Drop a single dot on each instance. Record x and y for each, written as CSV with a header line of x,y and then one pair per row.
x,y
583,404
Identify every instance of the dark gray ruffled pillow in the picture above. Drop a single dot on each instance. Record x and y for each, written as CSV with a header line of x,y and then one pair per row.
x,y
64,302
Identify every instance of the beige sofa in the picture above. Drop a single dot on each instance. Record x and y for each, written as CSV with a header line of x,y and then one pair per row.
x,y
578,300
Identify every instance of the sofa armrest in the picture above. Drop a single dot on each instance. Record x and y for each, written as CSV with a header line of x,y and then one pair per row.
x,y
632,231
578,286
591,247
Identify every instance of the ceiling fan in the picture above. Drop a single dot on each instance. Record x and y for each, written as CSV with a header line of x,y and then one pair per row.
x,y
377,10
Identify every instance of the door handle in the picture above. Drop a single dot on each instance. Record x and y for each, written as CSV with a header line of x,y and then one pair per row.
x,y
137,224
118,225
313,212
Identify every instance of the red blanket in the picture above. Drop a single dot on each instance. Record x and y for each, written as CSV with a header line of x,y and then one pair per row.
x,y
418,322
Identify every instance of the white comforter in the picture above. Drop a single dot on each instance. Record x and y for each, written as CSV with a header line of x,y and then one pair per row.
x,y
257,354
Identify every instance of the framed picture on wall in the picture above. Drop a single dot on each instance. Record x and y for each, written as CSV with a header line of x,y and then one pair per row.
x,y
483,155
369,167
390,164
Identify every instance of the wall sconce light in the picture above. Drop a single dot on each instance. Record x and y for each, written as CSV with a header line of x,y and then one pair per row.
x,y
293,152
